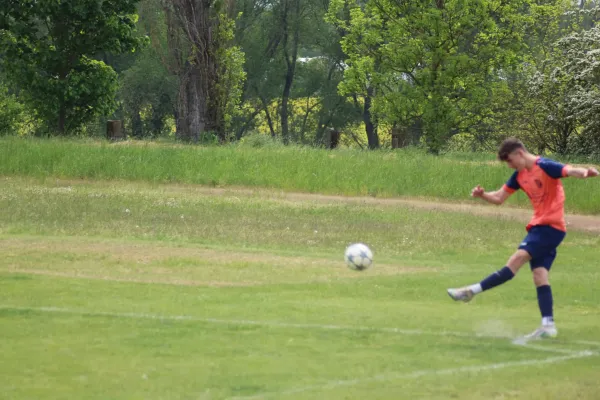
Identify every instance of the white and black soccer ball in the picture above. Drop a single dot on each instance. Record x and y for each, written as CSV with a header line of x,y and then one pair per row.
x,y
358,256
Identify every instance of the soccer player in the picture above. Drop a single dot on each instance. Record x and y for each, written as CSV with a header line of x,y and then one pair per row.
x,y
539,178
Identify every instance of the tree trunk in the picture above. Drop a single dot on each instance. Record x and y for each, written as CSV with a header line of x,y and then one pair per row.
x,y
62,119
268,115
305,119
198,98
242,130
562,141
137,126
325,119
182,131
371,129
196,102
290,60
285,130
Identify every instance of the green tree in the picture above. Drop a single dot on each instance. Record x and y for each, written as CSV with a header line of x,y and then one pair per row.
x,y
294,63
551,91
360,86
49,49
431,62
274,38
581,62
147,87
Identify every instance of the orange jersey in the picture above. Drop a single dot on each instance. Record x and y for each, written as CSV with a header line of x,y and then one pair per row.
x,y
545,191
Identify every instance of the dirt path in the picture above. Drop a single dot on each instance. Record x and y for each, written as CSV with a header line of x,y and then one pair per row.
x,y
586,223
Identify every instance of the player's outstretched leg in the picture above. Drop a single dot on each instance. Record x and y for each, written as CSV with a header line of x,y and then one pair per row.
x,y
497,278
467,293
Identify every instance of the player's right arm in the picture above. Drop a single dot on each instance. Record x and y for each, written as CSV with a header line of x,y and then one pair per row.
x,y
499,196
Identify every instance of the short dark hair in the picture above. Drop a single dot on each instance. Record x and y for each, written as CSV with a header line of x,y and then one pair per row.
x,y
508,146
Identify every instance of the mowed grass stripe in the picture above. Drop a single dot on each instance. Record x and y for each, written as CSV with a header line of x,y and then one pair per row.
x,y
415,375
285,325
182,357
159,263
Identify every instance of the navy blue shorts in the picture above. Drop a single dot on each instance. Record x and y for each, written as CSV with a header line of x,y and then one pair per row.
x,y
541,243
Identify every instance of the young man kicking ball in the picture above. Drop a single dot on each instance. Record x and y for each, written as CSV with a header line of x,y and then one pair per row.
x,y
540,180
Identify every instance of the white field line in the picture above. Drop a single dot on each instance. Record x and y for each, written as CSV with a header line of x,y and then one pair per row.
x,y
276,324
547,349
339,383
419,374
586,343
270,324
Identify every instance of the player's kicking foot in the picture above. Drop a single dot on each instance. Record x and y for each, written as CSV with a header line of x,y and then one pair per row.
x,y
543,332
461,294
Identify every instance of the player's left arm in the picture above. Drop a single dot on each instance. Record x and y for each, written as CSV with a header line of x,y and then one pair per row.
x,y
557,170
582,173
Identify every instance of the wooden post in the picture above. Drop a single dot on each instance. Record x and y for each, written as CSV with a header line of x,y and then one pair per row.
x,y
113,130
332,138
335,138
399,137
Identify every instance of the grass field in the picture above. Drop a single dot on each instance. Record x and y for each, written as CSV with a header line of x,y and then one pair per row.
x,y
129,290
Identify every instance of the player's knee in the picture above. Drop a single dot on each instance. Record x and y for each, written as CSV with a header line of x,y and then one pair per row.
x,y
523,256
540,276
518,260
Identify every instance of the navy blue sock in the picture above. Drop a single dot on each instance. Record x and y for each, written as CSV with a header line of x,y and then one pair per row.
x,y
544,295
497,278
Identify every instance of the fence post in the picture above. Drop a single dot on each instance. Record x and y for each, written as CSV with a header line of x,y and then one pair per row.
x,y
332,138
113,130
399,137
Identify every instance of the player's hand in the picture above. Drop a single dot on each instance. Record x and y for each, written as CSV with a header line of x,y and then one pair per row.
x,y
477,191
591,172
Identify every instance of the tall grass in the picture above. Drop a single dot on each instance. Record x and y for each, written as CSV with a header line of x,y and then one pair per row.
x,y
346,172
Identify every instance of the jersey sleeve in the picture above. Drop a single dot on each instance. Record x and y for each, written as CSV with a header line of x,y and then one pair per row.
x,y
512,185
554,169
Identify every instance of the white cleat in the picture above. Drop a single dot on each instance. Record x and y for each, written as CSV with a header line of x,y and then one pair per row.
x,y
461,294
543,332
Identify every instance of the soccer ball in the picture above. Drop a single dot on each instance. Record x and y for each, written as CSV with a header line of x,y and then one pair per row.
x,y
358,256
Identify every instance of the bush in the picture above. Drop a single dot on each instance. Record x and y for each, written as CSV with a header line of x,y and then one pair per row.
x,y
12,113
586,145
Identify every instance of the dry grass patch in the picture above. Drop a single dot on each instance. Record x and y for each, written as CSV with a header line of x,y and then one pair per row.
x,y
158,263
576,222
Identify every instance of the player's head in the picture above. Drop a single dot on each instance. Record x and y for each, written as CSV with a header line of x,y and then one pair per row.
x,y
513,152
